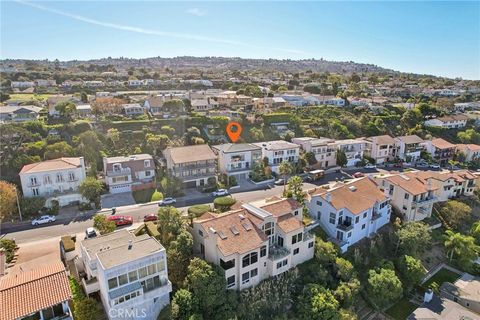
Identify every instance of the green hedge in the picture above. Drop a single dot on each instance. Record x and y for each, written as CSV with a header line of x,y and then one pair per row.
x,y
199,209
152,229
68,243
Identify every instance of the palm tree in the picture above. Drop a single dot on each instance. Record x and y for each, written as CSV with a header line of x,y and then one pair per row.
x,y
462,246
285,169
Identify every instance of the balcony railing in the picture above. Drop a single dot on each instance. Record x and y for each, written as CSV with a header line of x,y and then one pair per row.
x,y
307,236
376,215
121,172
276,252
421,202
345,226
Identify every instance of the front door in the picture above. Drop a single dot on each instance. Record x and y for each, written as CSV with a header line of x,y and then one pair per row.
x,y
340,235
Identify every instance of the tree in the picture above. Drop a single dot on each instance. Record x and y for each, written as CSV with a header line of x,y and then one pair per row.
x,y
325,252
91,189
8,199
169,224
461,246
411,271
475,232
345,270
310,157
156,196
65,108
469,136
341,158
190,134
86,309
384,287
103,225
10,247
184,305
346,292
455,212
411,118
58,150
156,142
295,185
179,254
89,145
174,105
170,185
207,283
32,206
224,203
316,302
285,170
84,97
114,135
414,238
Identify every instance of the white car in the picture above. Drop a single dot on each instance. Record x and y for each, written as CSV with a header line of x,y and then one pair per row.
x,y
370,166
220,193
90,233
434,166
167,201
43,220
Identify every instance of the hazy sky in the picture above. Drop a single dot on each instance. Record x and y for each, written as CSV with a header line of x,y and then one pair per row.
x,y
441,38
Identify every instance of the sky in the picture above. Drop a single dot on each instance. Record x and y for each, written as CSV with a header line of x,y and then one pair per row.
x,y
440,38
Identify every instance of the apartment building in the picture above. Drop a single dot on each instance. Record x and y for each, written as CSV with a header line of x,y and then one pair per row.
x,y
128,272
454,121
350,212
323,148
441,150
410,194
471,151
258,241
380,148
408,148
354,149
57,179
193,164
451,184
126,174
237,159
278,151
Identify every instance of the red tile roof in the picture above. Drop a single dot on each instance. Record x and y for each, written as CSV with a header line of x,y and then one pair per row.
x,y
49,165
28,292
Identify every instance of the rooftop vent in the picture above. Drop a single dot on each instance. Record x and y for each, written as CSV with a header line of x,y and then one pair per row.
x,y
241,216
247,226
352,188
212,230
234,230
130,244
222,235
405,177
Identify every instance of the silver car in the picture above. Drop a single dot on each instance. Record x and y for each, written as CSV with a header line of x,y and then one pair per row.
x,y
43,220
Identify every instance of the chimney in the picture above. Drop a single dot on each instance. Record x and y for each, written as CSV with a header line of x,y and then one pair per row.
x,y
130,244
428,296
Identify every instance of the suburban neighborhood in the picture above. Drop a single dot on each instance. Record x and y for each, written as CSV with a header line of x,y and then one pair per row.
x,y
232,184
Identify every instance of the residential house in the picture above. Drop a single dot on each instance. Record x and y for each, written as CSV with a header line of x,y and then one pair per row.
x,y
380,148
194,165
471,151
83,110
135,83
155,103
46,83
94,83
450,184
203,104
57,179
133,109
231,98
278,151
353,148
350,212
237,159
412,196
408,148
52,101
464,291
22,84
269,103
128,272
440,308
454,121
36,292
323,148
257,241
441,150
124,174
19,113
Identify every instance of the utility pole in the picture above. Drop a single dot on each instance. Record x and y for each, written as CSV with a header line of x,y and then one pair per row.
x,y
18,204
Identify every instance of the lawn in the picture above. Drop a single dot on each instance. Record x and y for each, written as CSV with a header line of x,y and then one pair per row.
x,y
29,96
443,275
401,310
143,196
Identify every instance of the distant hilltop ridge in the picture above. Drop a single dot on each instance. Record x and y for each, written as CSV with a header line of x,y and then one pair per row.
x,y
222,63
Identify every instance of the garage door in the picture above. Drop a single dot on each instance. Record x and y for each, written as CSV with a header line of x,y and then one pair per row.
x,y
121,188
190,184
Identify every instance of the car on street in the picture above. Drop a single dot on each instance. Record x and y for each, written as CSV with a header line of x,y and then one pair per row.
x,y
434,166
370,166
167,202
358,175
121,220
150,217
90,233
43,220
279,182
220,193
421,165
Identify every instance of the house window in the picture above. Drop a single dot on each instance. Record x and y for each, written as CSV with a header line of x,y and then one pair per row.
x,y
35,192
249,259
357,218
161,266
132,276
47,179
297,238
59,177
33,181
296,251
263,251
122,279
280,241
231,281
349,235
282,263
296,212
143,272
245,277
310,245
146,163
406,196
147,173
152,269
319,203
363,226
365,214
200,232
112,283
227,264
269,229
253,273
71,176
332,217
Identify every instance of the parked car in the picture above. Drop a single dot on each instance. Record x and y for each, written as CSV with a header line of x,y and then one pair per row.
x,y
421,165
43,220
434,166
167,202
90,233
358,175
121,220
220,193
370,166
279,182
150,217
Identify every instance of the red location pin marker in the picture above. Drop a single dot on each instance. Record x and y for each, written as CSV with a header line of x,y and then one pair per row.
x,y
234,129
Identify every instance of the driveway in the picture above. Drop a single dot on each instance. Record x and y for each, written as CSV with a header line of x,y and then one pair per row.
x,y
117,200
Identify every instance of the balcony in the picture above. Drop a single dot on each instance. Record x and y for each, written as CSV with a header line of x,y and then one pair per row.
x,y
307,236
119,172
422,202
376,215
91,285
345,226
276,252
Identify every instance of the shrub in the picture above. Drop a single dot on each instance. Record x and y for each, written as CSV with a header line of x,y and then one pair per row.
x,y
83,206
232,181
31,206
156,196
152,229
76,288
198,209
10,247
68,243
224,203
55,207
